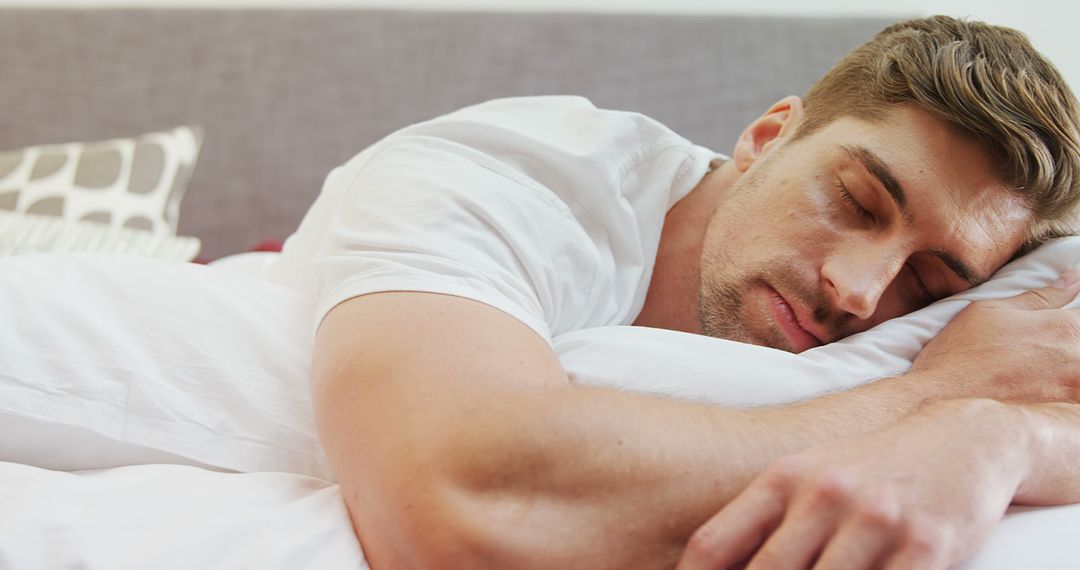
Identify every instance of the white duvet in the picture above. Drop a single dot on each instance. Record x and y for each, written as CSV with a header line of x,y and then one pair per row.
x,y
171,517
109,362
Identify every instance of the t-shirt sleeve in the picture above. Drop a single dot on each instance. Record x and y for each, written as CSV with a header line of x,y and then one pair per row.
x,y
424,214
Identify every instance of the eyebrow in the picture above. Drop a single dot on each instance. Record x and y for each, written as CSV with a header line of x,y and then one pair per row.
x,y
877,167
881,171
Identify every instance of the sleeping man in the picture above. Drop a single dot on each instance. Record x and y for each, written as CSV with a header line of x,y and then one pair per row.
x,y
445,258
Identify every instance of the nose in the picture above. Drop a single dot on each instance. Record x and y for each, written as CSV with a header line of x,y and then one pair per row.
x,y
856,277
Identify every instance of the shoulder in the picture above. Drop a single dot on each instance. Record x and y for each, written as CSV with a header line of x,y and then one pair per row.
x,y
568,121
588,156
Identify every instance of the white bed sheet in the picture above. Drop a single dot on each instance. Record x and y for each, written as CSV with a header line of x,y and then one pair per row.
x,y
180,517
171,517
177,516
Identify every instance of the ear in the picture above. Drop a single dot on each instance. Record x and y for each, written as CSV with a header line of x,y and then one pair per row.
x,y
775,125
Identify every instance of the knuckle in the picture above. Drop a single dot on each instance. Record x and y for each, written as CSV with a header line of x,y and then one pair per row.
x,y
1040,297
926,537
705,542
833,487
981,313
877,515
981,305
784,472
711,540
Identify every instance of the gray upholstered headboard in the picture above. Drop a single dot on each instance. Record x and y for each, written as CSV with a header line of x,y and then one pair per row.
x,y
285,95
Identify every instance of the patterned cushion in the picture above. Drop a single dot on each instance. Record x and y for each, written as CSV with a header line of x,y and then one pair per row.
x,y
130,182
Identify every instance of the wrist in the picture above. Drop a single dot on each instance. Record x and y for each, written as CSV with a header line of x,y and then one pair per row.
x,y
1044,444
931,387
1009,433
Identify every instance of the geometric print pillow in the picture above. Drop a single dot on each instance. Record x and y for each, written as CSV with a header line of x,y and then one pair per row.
x,y
129,182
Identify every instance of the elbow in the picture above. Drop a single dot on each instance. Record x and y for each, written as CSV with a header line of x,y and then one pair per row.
x,y
406,529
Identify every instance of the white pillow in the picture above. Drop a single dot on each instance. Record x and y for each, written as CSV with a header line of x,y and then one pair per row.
x,y
145,361
254,263
112,360
150,361
730,373
713,370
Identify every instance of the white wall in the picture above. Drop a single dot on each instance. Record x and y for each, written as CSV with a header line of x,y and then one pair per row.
x,y
1049,23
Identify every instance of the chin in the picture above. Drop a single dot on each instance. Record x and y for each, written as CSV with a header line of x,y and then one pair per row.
x,y
737,332
778,345
741,315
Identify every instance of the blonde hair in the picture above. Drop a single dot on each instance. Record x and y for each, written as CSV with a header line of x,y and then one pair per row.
x,y
986,80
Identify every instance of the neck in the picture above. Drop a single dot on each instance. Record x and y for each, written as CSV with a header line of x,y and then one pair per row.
x,y
672,298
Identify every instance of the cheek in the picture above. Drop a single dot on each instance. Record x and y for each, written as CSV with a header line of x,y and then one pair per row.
x,y
788,217
810,226
732,231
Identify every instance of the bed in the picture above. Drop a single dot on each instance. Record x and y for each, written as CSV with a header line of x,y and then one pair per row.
x,y
185,439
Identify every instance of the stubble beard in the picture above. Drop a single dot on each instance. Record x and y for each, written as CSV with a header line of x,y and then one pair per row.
x,y
719,304
722,303
722,289
723,309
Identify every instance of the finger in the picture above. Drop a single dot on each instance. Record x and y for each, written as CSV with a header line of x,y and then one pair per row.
x,y
1054,296
859,543
736,531
912,559
799,539
921,553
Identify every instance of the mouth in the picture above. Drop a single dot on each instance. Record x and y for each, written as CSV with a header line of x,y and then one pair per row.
x,y
790,323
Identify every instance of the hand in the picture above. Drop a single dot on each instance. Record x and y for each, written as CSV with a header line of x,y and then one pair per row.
x,y
1020,349
921,494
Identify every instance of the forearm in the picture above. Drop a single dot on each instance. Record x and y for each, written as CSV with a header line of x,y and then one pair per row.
x,y
476,451
613,479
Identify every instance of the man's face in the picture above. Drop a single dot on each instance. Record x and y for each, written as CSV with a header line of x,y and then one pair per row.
x,y
852,225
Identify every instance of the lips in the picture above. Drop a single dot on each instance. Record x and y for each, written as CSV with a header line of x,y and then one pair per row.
x,y
790,324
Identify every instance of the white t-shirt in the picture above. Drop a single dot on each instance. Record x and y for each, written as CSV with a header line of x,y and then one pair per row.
x,y
546,208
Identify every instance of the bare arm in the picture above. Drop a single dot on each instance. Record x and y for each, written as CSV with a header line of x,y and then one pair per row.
x,y
903,497
924,492
459,442
1056,450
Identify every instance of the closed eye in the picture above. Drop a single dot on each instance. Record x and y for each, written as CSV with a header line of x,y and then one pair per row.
x,y
920,285
847,197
